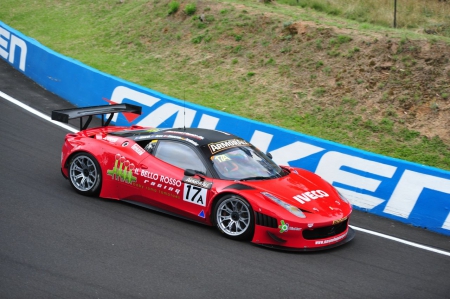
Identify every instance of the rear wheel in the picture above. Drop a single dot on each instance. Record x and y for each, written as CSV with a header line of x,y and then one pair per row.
x,y
233,216
85,175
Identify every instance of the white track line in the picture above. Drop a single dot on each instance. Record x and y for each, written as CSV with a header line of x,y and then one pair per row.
x,y
401,241
34,111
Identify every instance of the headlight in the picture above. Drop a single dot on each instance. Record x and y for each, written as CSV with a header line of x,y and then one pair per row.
x,y
344,199
294,210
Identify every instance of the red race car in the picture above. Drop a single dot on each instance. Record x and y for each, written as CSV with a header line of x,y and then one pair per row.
x,y
207,176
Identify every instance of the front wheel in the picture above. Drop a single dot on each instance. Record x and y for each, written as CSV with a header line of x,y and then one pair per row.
x,y
233,216
85,174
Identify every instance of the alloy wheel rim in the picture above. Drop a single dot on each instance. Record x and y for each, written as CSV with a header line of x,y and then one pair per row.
x,y
233,216
83,173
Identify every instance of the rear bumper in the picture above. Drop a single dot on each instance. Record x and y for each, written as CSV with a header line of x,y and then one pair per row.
x,y
64,175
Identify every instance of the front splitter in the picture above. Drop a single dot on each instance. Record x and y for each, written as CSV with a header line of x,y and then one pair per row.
x,y
348,238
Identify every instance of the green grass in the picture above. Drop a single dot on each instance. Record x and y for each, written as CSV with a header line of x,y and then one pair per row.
x,y
411,14
173,7
243,61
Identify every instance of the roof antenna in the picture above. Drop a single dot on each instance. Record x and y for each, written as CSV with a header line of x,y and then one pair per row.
x,y
184,109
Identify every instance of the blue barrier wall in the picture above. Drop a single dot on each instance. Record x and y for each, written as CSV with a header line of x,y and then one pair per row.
x,y
392,188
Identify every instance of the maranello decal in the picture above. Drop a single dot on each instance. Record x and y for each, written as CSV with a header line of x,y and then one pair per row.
x,y
123,170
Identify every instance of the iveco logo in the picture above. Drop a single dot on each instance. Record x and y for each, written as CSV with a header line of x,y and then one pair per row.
x,y
307,196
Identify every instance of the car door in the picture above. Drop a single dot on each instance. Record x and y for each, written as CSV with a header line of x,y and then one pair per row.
x,y
165,185
122,167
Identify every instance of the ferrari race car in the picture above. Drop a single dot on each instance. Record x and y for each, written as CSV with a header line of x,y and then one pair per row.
x,y
207,176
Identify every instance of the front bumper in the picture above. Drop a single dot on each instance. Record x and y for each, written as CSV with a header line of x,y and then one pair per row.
x,y
350,235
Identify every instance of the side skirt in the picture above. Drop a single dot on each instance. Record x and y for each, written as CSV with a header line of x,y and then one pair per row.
x,y
160,210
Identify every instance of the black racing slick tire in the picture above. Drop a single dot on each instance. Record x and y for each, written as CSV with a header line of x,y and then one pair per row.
x,y
85,174
234,217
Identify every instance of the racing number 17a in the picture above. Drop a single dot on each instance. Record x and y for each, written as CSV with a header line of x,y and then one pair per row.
x,y
195,195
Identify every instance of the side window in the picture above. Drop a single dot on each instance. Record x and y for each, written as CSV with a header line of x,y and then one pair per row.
x,y
179,155
150,146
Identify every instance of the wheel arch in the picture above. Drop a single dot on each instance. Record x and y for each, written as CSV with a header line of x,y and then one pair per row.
x,y
70,156
223,194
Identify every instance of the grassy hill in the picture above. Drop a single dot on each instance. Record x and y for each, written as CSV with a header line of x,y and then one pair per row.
x,y
301,66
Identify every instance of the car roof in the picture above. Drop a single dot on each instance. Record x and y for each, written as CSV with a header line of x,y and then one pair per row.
x,y
196,136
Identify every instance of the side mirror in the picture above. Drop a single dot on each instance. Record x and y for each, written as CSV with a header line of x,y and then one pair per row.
x,y
269,155
190,172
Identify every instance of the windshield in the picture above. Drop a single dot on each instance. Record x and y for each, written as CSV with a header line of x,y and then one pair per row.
x,y
245,163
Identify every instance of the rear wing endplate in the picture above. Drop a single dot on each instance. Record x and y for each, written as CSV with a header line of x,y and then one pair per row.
x,y
64,115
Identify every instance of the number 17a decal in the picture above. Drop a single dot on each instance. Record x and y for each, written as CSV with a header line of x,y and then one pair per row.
x,y
195,195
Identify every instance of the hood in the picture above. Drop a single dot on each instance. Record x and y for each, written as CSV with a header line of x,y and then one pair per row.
x,y
307,191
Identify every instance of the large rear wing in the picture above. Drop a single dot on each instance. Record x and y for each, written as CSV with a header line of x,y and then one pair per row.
x,y
64,115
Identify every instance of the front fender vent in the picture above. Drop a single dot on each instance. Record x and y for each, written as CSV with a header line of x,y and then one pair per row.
x,y
264,220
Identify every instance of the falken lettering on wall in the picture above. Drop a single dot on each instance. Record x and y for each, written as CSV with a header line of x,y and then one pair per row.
x,y
184,116
283,155
409,189
8,45
330,168
364,191
404,196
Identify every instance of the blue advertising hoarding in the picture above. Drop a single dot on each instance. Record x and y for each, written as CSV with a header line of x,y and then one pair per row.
x,y
392,188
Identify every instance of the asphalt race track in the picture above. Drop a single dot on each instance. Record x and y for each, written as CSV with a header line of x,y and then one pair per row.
x,y
55,243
